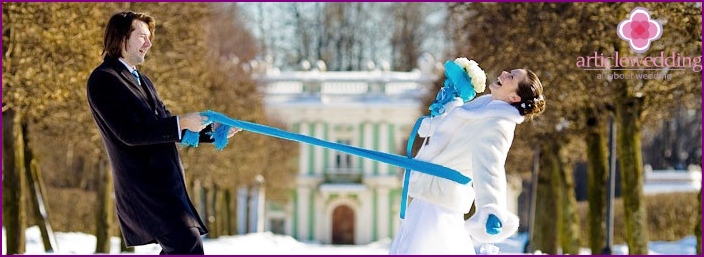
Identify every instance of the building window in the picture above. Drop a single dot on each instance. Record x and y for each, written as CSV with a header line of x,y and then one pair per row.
x,y
343,161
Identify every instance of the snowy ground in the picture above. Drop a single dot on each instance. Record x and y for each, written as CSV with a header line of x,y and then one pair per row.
x,y
270,244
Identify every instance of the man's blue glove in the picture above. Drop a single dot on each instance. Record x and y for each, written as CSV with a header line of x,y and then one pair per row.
x,y
493,225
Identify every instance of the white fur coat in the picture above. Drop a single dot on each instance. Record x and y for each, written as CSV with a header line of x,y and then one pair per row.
x,y
473,139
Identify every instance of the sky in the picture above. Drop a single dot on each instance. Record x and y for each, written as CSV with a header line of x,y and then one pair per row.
x,y
267,243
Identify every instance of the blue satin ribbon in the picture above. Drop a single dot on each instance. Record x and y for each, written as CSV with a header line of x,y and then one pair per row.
x,y
457,84
407,173
190,138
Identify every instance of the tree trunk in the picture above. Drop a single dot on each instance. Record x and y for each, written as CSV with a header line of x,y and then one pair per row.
x,y
210,210
545,237
197,196
37,193
229,214
628,111
597,181
220,212
698,226
104,208
569,219
13,183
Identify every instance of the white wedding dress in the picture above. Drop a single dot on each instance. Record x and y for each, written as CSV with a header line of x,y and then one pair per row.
x,y
473,139
418,236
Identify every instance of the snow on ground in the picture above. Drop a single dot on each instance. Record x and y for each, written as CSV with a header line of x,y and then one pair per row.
x,y
271,244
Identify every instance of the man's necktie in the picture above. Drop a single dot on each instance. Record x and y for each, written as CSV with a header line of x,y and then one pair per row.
x,y
146,90
136,77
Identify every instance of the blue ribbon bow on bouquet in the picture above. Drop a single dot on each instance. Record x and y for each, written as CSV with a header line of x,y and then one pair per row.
x,y
457,84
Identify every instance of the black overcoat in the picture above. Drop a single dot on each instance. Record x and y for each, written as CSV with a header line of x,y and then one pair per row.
x,y
140,137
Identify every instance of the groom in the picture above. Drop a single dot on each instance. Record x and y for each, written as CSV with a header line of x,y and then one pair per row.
x,y
140,137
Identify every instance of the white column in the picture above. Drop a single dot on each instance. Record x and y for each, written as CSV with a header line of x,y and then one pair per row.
x,y
368,144
303,203
383,215
325,222
395,210
318,151
303,161
319,227
242,210
383,146
261,208
252,206
363,226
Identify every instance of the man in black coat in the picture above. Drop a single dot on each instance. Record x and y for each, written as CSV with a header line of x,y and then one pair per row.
x,y
140,137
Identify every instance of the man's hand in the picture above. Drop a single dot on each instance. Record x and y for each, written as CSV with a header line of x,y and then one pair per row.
x,y
192,121
230,133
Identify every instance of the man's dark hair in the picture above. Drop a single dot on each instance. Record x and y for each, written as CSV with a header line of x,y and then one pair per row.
x,y
118,31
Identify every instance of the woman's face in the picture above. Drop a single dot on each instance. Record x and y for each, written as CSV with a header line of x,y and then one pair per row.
x,y
506,86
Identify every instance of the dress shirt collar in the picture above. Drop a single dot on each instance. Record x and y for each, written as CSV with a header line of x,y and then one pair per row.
x,y
130,68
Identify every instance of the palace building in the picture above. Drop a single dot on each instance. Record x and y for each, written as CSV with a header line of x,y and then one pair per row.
x,y
340,198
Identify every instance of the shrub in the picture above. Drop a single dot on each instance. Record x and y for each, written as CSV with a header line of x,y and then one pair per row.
x,y
671,217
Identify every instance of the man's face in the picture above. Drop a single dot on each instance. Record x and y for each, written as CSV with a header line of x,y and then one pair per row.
x,y
136,47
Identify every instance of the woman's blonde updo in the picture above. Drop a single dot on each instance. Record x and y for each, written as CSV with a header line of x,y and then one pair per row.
x,y
532,99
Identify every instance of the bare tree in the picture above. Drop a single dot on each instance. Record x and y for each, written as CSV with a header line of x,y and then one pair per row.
x,y
408,34
348,36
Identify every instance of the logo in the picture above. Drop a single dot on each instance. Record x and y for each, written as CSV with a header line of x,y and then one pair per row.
x,y
639,30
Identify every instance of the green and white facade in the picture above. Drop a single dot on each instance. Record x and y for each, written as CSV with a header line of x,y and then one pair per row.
x,y
341,198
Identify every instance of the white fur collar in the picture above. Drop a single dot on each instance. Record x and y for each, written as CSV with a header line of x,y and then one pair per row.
x,y
484,107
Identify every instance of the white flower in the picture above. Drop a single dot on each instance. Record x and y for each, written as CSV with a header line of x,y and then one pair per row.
x,y
476,73
462,62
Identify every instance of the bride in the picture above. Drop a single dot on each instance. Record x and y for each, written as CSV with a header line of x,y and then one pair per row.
x,y
473,138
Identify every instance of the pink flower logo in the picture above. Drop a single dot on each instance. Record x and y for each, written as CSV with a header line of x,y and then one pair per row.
x,y
639,30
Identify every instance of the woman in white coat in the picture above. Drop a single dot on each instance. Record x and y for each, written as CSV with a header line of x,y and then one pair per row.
x,y
473,138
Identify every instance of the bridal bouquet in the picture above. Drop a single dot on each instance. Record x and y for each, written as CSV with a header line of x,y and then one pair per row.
x,y
476,74
463,80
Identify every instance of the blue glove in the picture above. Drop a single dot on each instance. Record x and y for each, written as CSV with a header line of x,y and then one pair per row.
x,y
493,225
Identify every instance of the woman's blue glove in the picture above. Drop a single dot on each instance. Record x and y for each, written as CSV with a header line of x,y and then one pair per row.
x,y
493,225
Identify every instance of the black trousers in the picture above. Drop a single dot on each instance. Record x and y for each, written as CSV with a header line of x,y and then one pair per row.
x,y
181,242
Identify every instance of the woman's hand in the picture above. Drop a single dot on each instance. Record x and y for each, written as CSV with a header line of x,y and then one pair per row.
x,y
230,133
